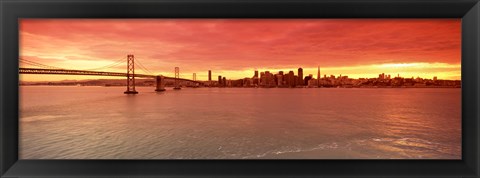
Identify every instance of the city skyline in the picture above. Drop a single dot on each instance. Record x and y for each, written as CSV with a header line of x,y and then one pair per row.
x,y
210,76
358,48
282,79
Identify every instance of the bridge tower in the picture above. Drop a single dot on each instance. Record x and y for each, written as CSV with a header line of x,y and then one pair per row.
x,y
177,76
130,75
160,83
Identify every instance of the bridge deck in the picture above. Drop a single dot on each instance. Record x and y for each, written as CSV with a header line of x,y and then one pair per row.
x,y
86,72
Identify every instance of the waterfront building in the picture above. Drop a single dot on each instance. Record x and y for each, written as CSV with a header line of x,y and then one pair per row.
x,y
269,79
219,80
300,77
236,83
292,79
262,79
313,83
209,76
295,81
247,82
289,79
381,76
318,76
307,78
255,78
279,80
275,79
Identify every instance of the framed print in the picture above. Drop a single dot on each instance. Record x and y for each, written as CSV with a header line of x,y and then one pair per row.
x,y
395,97
240,88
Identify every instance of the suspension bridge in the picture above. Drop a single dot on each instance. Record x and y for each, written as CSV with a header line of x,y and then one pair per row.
x,y
130,74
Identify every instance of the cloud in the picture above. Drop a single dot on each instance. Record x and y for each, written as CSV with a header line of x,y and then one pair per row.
x,y
197,45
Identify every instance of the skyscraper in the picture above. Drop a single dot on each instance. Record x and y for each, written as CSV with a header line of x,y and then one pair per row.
x,y
318,76
209,75
279,78
269,81
290,79
300,76
262,79
255,78
219,80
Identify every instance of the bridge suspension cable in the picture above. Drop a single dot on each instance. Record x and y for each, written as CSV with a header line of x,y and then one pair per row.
x,y
36,64
111,65
142,67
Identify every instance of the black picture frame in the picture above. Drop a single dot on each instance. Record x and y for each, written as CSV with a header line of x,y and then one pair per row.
x,y
12,10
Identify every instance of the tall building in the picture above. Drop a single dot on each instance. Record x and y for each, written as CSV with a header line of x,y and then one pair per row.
x,y
295,81
269,79
209,75
262,79
381,76
318,76
300,76
219,80
279,80
224,82
290,79
255,78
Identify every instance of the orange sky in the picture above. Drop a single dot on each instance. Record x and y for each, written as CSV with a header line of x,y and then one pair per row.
x,y
235,47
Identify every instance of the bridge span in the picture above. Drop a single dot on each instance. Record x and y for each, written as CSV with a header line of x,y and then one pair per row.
x,y
160,79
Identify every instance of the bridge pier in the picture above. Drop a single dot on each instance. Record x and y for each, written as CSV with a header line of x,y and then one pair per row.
x,y
160,84
130,92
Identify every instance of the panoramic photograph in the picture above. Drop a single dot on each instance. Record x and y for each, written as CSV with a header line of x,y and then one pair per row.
x,y
240,89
